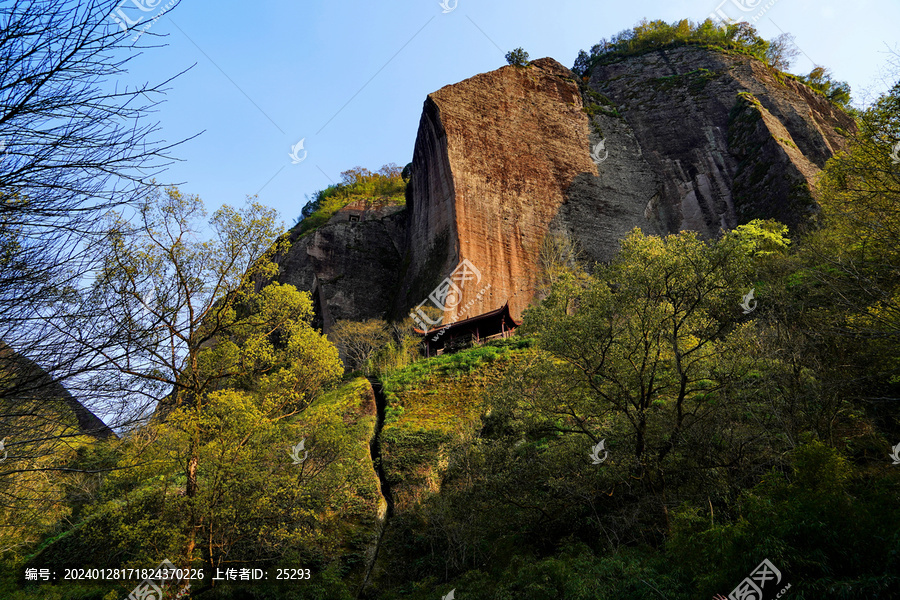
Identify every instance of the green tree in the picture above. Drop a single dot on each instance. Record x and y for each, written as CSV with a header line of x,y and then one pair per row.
x,y
358,341
168,295
650,346
517,57
283,471
821,80
231,446
815,519
190,319
859,245
403,348
847,289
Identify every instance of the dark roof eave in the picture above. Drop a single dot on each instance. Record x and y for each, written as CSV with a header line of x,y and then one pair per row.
x,y
482,316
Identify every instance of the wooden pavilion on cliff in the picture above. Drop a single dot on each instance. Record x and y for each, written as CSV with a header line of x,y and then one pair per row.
x,y
460,334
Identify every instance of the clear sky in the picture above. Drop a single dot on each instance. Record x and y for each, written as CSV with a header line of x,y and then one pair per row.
x,y
349,78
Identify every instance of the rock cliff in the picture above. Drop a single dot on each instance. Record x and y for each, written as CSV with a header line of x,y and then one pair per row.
x,y
493,159
727,138
351,267
38,401
679,138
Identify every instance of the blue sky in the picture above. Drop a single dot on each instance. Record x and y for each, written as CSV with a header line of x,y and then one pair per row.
x,y
349,78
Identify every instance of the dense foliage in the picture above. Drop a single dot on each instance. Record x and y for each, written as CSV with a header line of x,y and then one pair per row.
x,y
258,470
736,430
385,186
654,35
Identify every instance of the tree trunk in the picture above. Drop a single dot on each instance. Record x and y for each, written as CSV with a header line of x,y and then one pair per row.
x,y
191,493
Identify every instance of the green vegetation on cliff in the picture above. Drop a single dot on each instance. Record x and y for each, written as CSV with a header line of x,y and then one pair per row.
x,y
728,436
383,187
737,428
648,36
742,38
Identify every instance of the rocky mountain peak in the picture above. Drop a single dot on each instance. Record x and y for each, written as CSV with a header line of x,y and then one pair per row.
x,y
678,138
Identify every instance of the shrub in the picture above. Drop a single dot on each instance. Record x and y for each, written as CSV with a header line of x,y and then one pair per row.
x,y
821,80
517,57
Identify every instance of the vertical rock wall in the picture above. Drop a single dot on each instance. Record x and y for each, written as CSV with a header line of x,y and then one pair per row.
x,y
680,138
494,157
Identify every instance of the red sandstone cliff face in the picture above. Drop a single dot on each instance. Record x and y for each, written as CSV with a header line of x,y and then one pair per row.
x,y
492,161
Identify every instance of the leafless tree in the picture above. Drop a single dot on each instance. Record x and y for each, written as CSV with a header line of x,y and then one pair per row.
x,y
358,341
74,143
782,51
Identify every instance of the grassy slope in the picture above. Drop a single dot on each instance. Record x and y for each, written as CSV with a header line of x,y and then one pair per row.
x,y
430,404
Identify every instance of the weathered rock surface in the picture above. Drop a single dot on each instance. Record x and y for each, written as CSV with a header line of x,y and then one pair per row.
x,y
682,138
688,109
685,138
493,159
352,268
